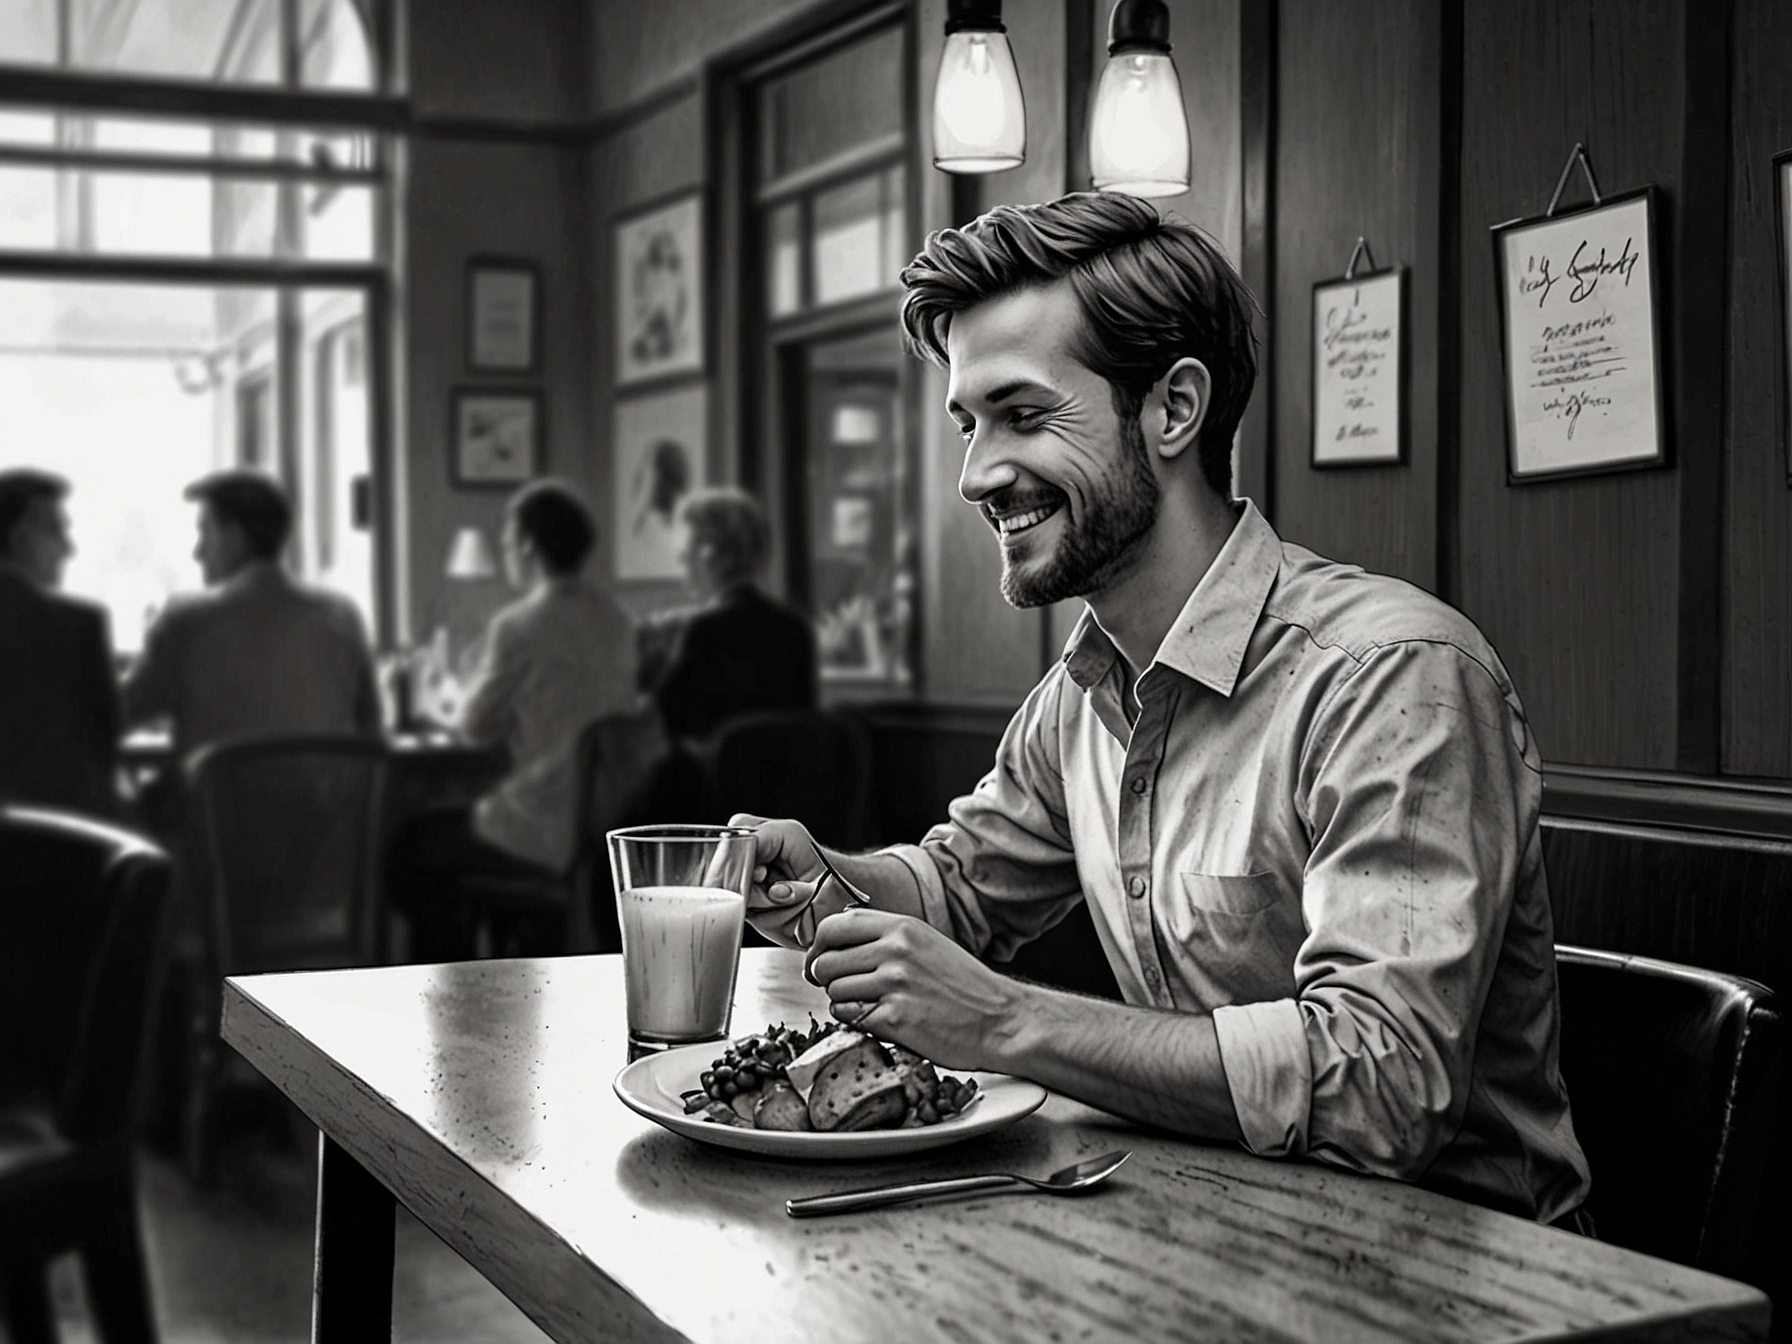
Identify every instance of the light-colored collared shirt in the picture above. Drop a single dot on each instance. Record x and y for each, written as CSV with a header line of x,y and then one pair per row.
x,y
257,656
1321,829
554,661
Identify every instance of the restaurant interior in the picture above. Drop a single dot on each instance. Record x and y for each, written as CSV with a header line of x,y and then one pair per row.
x,y
408,255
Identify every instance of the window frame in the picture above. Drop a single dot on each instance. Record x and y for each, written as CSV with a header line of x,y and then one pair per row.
x,y
285,109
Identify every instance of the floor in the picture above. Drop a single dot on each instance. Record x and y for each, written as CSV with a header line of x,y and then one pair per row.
x,y
232,1264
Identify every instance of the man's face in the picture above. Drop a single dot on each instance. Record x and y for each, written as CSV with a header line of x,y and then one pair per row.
x,y
221,549
40,543
1067,487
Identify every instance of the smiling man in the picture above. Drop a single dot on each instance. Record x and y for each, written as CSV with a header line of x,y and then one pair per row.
x,y
1300,800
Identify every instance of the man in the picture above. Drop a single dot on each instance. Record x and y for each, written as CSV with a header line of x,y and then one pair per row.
x,y
58,701
555,660
740,651
258,654
1300,800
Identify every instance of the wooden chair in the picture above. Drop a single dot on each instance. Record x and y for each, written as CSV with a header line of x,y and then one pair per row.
x,y
82,915
283,862
626,770
1674,1074
813,765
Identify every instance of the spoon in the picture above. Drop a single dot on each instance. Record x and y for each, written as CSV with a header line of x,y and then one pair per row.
x,y
1077,1176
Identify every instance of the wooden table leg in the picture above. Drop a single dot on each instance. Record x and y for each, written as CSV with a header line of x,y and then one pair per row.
x,y
351,1289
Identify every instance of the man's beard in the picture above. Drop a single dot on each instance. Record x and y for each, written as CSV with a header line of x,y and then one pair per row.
x,y
1090,554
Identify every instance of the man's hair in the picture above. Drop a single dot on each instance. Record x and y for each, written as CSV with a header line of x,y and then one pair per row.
x,y
20,488
253,501
731,522
553,515
1152,290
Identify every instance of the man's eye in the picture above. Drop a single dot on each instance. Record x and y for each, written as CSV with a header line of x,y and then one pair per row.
x,y
1025,420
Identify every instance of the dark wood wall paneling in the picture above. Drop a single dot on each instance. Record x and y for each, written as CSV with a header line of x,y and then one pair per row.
x,y
1576,582
1357,154
1757,573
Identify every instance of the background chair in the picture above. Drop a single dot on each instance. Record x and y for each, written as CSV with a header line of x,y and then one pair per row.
x,y
626,771
282,864
82,914
1674,1074
813,765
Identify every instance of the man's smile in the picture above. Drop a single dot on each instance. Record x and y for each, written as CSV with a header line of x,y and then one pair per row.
x,y
1011,521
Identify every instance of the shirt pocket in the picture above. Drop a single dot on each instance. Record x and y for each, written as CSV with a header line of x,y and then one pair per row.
x,y
1236,936
1242,896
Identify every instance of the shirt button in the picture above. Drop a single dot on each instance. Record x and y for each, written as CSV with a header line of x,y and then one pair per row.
x,y
1140,784
1136,887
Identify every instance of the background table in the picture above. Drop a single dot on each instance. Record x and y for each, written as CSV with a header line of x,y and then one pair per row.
x,y
480,1094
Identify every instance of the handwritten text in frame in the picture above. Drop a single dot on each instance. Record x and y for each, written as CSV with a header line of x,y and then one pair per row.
x,y
1359,370
1579,307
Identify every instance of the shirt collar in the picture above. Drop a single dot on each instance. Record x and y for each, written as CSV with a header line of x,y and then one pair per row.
x,y
1208,639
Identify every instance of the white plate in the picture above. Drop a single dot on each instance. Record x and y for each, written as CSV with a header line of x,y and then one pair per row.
x,y
653,1085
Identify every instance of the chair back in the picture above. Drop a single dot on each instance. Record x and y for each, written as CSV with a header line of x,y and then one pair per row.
x,y
1673,1074
285,845
813,765
83,910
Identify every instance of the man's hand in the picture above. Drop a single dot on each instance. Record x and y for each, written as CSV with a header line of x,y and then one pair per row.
x,y
907,982
786,869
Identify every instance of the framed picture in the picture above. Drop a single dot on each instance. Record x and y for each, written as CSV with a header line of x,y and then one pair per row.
x,y
1359,370
497,437
660,442
1782,200
503,315
659,292
1580,316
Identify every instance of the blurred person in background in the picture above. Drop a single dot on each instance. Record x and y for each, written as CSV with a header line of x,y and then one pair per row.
x,y
738,650
59,715
559,657
258,654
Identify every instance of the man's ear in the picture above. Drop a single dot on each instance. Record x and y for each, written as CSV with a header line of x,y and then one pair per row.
x,y
1180,399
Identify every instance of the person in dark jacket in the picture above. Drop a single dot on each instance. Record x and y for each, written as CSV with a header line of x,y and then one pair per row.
x,y
59,719
738,651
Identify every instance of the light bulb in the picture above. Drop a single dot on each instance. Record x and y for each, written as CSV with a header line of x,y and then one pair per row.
x,y
979,116
1138,130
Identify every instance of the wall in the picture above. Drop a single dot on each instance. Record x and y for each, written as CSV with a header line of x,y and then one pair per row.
x,y
494,168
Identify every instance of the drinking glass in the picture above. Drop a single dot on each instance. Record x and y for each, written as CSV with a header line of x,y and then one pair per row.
x,y
681,898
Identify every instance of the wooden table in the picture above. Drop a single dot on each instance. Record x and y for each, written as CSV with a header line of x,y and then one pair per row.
x,y
479,1095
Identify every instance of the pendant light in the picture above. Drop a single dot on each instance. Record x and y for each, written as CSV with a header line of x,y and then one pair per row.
x,y
1138,131
979,117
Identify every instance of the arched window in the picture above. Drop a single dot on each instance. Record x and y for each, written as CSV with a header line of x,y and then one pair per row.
x,y
316,44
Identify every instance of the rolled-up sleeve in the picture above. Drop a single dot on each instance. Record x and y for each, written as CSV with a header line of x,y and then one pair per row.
x,y
1000,870
1418,782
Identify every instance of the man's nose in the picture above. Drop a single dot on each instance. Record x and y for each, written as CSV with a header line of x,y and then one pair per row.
x,y
986,467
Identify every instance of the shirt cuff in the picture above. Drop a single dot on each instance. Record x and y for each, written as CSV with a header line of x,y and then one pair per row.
x,y
1263,1050
934,908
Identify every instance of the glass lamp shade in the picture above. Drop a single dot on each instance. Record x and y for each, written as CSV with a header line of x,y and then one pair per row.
x,y
1138,131
470,557
979,116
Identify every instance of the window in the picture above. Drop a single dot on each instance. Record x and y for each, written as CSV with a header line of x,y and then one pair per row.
x,y
192,290
829,206
323,44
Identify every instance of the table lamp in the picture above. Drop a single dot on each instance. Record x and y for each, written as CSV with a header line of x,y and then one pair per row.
x,y
470,556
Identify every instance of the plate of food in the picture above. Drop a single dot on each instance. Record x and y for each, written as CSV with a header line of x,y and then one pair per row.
x,y
830,1092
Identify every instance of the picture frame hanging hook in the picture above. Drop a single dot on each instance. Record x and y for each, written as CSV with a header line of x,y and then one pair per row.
x,y
1576,155
1360,252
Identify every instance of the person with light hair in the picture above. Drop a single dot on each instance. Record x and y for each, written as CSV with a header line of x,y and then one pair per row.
x,y
1300,801
739,650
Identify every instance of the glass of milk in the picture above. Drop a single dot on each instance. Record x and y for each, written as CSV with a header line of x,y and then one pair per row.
x,y
681,898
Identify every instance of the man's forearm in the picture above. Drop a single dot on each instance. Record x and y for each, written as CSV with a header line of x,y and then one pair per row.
x,y
1160,1068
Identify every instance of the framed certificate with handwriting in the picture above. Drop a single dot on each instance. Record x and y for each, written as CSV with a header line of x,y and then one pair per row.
x,y
1580,317
1359,370
1782,213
